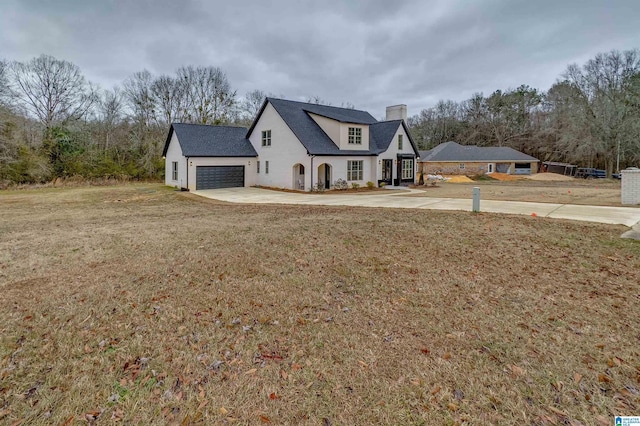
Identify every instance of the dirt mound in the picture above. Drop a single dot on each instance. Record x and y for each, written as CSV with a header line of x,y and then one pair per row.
x,y
504,177
549,176
458,179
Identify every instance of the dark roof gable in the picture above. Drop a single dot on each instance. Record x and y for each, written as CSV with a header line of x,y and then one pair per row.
x,y
381,134
316,141
198,140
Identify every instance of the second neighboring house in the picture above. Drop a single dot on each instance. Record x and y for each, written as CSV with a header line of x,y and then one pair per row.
x,y
451,158
293,145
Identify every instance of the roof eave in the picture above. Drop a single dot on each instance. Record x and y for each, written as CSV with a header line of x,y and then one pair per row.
x,y
255,120
168,141
413,144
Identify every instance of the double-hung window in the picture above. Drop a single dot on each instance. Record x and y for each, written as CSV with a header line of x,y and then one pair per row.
x,y
355,135
266,167
407,169
258,166
266,138
354,170
174,170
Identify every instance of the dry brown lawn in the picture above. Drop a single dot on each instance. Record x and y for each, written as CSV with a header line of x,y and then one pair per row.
x,y
598,192
143,305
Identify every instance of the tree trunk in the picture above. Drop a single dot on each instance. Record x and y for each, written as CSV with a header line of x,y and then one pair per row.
x,y
610,165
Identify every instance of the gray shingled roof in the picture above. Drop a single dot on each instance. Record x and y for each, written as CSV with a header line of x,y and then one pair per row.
x,y
452,151
197,140
381,134
314,139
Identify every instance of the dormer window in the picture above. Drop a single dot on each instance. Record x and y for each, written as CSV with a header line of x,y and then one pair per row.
x,y
355,135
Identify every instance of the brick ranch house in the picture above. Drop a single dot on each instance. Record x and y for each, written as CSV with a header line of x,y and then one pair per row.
x,y
293,145
451,158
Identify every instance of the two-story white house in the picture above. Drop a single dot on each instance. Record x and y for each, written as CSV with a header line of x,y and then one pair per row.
x,y
293,145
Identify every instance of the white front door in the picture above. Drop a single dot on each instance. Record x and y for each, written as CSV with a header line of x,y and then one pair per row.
x,y
490,167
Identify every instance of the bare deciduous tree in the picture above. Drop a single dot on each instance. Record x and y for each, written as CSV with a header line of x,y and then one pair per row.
x,y
137,90
4,83
252,103
604,93
53,90
211,100
317,100
170,96
110,112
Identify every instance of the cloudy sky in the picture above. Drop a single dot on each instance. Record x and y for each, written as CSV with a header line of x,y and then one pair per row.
x,y
371,53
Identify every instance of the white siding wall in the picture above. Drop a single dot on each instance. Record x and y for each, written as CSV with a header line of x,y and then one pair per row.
x,y
392,153
174,153
344,137
329,126
285,151
339,168
339,133
249,164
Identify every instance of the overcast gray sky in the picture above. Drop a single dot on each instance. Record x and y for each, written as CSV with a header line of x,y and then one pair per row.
x,y
370,53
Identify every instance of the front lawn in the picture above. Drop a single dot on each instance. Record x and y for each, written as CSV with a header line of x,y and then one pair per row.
x,y
144,305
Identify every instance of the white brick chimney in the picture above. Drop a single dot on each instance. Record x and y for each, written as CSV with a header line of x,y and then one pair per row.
x,y
397,112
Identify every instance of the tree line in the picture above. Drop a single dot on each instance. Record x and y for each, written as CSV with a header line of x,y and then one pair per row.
x,y
589,117
55,123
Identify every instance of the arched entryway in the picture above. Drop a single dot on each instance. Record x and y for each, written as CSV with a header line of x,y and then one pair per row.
x,y
298,177
324,175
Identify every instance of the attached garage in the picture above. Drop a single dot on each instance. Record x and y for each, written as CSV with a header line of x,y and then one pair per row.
x,y
208,157
216,177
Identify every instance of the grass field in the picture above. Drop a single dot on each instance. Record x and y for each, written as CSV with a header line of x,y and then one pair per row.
x,y
597,192
144,305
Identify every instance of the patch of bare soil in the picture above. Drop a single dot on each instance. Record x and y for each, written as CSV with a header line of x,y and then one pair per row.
x,y
458,179
505,177
137,304
601,192
350,190
549,177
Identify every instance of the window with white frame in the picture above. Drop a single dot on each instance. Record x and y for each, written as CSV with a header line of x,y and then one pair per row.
x,y
258,166
399,141
174,170
355,135
266,167
354,170
266,138
407,169
461,166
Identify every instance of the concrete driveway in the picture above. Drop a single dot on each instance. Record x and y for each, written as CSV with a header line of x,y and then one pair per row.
x,y
628,216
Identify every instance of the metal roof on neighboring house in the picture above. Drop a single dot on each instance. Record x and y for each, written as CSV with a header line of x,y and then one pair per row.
x,y
452,151
199,140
